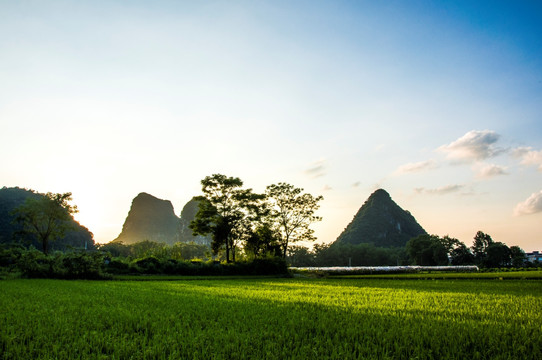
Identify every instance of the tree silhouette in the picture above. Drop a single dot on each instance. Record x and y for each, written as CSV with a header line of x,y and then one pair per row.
x,y
48,217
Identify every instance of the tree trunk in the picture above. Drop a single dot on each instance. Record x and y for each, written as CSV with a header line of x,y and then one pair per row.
x,y
227,251
44,244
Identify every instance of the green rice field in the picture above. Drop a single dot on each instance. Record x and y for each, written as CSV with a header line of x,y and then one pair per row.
x,y
300,318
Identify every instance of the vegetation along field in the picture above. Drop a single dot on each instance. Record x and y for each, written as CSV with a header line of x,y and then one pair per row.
x,y
271,318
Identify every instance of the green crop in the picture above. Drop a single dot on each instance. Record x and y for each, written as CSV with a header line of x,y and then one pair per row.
x,y
271,319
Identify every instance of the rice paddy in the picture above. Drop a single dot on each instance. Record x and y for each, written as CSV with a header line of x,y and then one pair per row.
x,y
331,318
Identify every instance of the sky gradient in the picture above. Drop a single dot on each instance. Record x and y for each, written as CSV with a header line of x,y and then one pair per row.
x,y
440,104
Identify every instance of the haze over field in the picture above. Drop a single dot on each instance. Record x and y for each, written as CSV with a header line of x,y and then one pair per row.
x,y
440,104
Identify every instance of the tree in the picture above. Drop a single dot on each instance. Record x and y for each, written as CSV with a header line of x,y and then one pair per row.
x,y
263,241
480,245
518,256
293,213
427,250
300,256
449,243
498,254
225,211
461,255
48,217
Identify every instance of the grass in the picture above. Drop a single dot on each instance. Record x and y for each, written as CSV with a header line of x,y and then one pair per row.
x,y
271,318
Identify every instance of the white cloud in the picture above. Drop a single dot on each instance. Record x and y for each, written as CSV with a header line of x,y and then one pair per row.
x,y
529,156
474,145
416,167
327,188
486,171
317,168
441,190
532,205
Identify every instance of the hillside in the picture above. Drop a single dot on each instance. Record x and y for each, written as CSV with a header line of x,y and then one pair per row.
x,y
381,222
185,233
10,198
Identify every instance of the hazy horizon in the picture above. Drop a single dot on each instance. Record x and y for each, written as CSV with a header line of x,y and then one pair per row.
x,y
439,104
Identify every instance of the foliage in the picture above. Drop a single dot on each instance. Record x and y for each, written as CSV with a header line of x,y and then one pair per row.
x,y
346,255
271,319
498,255
70,265
263,242
293,212
300,256
427,250
488,253
517,256
152,265
177,251
461,255
480,245
225,212
47,217
11,231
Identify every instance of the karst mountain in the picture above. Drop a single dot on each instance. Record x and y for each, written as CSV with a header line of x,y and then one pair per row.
x,y
154,219
381,222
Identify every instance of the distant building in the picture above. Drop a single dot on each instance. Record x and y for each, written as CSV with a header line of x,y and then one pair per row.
x,y
534,256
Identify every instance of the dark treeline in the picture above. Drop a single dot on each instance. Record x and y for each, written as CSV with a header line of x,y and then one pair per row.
x,y
425,250
347,255
137,259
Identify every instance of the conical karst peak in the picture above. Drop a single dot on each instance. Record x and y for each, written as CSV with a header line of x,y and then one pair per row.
x,y
381,222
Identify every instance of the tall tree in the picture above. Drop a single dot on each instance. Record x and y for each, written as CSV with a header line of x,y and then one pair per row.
x,y
461,255
498,254
479,247
293,212
48,217
427,250
518,256
225,211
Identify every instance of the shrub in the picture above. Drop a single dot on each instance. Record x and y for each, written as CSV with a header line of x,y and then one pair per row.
x,y
83,265
149,265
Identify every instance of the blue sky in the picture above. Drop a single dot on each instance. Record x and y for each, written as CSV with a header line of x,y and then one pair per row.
x,y
438,103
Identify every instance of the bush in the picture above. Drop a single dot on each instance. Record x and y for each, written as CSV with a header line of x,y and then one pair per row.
x,y
72,265
10,255
149,265
35,264
117,266
83,265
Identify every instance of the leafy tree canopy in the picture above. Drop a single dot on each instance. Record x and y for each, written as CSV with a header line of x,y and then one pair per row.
x,y
293,212
225,211
48,217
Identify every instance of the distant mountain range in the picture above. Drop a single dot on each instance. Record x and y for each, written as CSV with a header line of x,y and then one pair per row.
x,y
381,222
10,198
154,219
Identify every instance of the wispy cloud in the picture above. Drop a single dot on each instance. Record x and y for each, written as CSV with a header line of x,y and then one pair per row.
x,y
416,167
532,205
317,168
529,156
327,188
486,171
356,184
474,145
441,190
